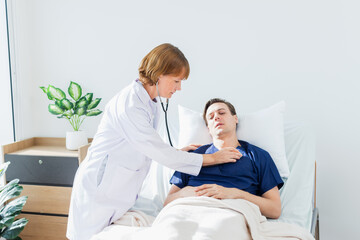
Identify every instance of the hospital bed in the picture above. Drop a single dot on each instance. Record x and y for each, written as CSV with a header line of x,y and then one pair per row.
x,y
298,195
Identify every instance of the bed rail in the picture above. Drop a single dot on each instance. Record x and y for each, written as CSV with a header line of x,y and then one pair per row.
x,y
315,224
315,215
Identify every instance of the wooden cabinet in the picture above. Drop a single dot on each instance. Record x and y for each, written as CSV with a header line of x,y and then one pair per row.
x,y
46,170
44,227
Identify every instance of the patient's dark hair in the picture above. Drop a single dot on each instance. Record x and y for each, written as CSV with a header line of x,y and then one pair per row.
x,y
218,100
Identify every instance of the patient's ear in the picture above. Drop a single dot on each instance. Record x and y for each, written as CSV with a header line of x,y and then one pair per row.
x,y
236,118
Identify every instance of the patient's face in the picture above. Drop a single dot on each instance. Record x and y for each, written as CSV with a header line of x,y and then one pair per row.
x,y
220,121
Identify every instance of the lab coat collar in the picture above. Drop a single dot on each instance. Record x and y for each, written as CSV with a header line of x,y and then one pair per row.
x,y
143,94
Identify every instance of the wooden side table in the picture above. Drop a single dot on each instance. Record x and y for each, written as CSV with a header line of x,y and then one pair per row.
x,y
46,170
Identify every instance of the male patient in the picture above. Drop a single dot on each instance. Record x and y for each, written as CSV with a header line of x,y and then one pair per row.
x,y
254,177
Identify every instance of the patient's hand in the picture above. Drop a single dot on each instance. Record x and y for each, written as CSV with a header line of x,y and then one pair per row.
x,y
187,191
216,191
191,147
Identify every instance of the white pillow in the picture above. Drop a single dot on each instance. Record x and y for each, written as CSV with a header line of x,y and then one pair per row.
x,y
264,128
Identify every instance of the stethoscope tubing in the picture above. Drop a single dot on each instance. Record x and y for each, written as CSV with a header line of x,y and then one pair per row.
x,y
165,109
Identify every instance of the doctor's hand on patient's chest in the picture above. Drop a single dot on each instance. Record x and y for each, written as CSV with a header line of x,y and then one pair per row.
x,y
225,155
191,147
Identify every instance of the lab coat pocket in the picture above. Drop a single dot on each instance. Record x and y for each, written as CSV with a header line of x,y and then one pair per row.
x,y
123,184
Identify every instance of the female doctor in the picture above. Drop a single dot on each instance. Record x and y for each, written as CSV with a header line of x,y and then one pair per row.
x,y
108,180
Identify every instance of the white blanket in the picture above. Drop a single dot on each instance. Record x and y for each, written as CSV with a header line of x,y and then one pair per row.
x,y
208,218
135,218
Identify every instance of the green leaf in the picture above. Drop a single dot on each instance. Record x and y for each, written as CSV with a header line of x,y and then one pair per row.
x,y
14,230
6,221
17,238
80,111
14,207
56,93
67,114
54,109
44,89
11,210
9,184
89,97
81,103
94,103
3,168
65,103
93,112
49,96
10,191
75,90
58,103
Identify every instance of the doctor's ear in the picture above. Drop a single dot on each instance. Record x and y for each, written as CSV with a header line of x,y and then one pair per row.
x,y
160,77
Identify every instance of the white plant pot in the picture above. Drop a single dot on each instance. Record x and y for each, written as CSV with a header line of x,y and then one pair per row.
x,y
75,139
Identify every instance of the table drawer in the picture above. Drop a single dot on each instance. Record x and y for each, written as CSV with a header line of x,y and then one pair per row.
x,y
44,170
42,227
47,199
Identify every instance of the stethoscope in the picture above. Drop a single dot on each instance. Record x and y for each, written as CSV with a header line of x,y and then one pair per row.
x,y
165,111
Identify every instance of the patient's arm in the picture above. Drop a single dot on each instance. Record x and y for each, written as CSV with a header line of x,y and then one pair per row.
x,y
176,192
269,203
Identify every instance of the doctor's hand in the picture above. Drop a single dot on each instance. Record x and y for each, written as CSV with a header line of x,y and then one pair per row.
x,y
225,155
219,192
191,147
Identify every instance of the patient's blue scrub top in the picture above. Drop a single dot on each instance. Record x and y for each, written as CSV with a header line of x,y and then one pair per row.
x,y
255,172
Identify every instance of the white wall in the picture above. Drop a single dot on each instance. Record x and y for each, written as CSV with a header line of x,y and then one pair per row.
x,y
253,53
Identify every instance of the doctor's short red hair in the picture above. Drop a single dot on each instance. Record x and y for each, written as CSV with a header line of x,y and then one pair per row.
x,y
164,59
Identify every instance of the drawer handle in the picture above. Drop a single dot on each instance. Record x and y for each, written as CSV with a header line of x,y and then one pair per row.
x,y
40,161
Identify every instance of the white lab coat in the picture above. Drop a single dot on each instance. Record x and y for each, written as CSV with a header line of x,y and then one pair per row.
x,y
108,181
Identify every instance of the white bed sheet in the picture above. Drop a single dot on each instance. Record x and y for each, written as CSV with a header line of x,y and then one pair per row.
x,y
296,194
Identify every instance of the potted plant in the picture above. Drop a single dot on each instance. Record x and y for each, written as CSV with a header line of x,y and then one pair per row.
x,y
9,227
75,110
